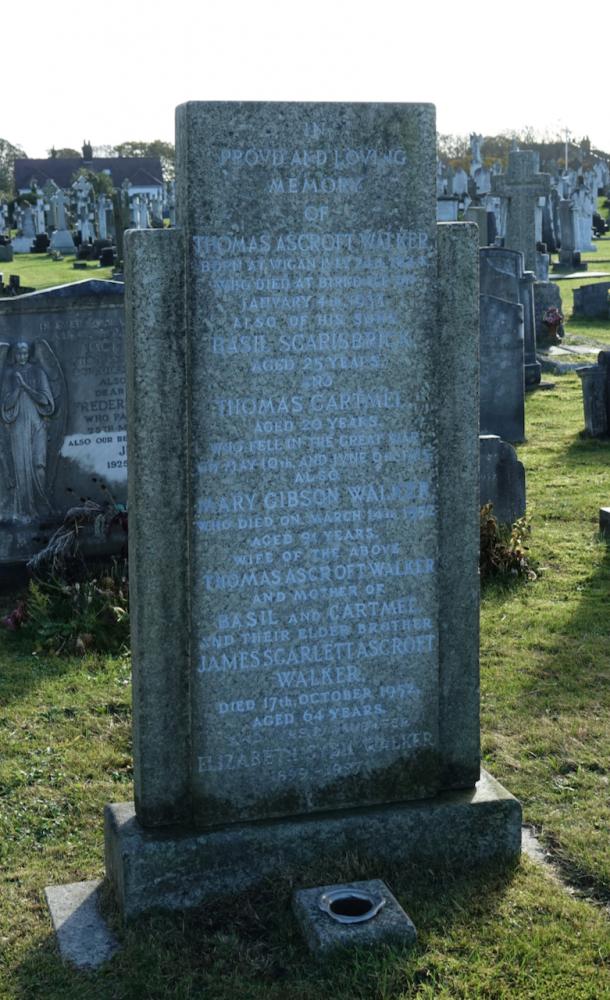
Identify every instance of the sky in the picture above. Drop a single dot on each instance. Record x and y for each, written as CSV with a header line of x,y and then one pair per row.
x,y
115,71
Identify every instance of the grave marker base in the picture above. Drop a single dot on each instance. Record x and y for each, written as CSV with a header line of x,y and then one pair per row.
x,y
170,869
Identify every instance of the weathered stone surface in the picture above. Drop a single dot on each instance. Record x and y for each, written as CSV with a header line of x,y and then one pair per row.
x,y
62,443
522,186
168,869
595,400
157,438
83,935
502,276
502,479
502,381
458,330
390,925
284,460
313,644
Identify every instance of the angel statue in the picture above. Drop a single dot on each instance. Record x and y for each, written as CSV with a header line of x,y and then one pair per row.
x,y
32,391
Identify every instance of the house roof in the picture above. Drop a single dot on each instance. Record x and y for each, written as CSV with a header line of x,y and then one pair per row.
x,y
141,171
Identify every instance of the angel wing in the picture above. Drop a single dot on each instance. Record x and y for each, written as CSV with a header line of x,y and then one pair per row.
x,y
6,471
44,355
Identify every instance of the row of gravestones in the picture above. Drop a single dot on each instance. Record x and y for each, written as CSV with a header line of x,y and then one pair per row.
x,y
303,439
478,181
563,225
92,215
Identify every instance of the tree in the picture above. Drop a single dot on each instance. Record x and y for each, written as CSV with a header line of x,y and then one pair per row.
x,y
63,154
8,155
452,146
164,150
105,151
101,183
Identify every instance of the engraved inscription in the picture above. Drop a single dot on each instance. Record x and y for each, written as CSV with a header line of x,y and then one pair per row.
x,y
314,472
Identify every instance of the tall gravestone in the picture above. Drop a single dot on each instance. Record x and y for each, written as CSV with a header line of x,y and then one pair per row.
x,y
304,613
522,186
502,392
502,276
62,408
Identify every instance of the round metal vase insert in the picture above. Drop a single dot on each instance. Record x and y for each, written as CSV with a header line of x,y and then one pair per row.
x,y
350,906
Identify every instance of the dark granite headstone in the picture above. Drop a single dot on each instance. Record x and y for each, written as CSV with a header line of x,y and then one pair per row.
x,y
298,460
502,385
591,301
595,399
62,407
107,257
547,295
502,276
502,479
41,243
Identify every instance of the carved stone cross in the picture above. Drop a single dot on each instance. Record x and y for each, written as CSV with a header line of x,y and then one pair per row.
x,y
522,185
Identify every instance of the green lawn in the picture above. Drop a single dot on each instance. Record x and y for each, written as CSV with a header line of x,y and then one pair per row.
x,y
39,271
592,331
545,658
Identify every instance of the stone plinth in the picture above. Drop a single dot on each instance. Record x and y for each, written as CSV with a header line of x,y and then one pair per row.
x,y
176,869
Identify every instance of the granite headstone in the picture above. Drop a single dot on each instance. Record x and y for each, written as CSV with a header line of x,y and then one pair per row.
x,y
62,407
502,276
591,301
502,479
522,186
502,382
298,648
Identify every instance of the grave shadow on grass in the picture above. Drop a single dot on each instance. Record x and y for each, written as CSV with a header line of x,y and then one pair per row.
x,y
563,669
249,945
589,451
21,671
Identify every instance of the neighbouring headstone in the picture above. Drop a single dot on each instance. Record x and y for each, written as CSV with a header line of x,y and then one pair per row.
x,y
521,187
447,208
61,238
62,408
502,395
595,380
547,297
583,206
502,479
459,184
591,301
302,373
479,215
604,521
23,242
502,276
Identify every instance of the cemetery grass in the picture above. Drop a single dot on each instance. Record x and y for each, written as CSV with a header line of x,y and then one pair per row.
x,y
65,737
545,647
581,331
39,271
